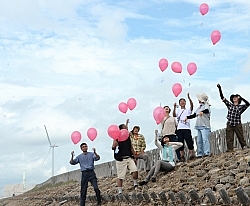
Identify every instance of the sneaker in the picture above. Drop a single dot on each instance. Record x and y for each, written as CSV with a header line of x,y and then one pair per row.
x,y
143,183
245,147
135,187
182,159
192,157
153,179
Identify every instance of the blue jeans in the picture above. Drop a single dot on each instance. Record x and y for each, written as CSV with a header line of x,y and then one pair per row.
x,y
203,144
89,176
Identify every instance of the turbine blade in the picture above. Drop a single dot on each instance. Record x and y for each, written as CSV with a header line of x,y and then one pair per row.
x,y
47,135
46,157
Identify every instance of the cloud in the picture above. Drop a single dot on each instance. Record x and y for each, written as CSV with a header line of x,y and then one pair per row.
x,y
69,66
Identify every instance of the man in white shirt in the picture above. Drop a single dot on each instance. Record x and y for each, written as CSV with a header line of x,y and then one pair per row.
x,y
183,127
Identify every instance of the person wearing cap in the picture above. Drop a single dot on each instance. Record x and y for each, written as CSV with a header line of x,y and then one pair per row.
x,y
86,160
202,125
168,158
235,109
139,145
183,128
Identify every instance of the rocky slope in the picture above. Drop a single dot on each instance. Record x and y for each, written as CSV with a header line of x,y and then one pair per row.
x,y
228,171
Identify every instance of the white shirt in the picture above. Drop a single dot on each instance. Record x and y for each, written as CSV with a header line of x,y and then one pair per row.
x,y
180,117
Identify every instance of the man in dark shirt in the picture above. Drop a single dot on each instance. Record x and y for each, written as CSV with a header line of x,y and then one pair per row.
x,y
126,160
86,161
235,109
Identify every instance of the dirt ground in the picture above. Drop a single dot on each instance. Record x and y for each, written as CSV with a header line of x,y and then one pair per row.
x,y
228,170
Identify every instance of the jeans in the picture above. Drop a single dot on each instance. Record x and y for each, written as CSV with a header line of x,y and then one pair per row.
x,y
203,144
146,160
160,165
238,129
89,177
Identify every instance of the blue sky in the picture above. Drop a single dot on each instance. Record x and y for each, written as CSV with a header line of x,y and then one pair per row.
x,y
68,65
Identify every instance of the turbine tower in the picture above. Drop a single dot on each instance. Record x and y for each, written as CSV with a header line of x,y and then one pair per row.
x,y
51,146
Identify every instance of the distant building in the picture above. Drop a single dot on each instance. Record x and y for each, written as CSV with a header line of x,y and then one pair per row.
x,y
13,190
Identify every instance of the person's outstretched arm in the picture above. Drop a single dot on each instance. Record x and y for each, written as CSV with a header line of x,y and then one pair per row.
x,y
245,101
174,110
220,91
190,102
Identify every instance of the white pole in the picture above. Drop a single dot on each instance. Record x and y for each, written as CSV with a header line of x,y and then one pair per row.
x,y
53,161
24,180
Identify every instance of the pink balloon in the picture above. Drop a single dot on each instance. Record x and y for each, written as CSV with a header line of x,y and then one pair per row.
x,y
176,89
76,137
191,68
124,134
131,103
204,8
176,67
215,36
163,64
123,107
114,131
92,133
158,114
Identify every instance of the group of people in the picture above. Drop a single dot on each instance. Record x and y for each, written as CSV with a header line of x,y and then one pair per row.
x,y
175,132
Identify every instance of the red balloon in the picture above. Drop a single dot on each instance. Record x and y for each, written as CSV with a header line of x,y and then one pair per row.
x,y
191,68
76,137
215,36
123,107
163,64
114,131
124,134
176,89
176,67
131,103
158,114
92,133
204,8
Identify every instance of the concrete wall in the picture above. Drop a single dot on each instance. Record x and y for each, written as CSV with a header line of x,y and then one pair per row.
x,y
106,169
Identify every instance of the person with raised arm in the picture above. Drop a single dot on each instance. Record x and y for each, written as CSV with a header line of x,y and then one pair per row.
x,y
235,109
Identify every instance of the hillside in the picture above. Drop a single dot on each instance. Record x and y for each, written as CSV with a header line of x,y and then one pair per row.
x,y
228,171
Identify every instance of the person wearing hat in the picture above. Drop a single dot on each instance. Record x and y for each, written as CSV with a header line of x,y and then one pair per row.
x,y
183,127
235,109
202,125
168,158
139,145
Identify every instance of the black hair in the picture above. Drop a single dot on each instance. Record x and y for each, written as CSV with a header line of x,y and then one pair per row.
x,y
122,126
134,128
83,144
168,108
162,142
181,99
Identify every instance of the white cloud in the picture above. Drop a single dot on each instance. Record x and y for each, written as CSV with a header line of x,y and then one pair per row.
x,y
68,65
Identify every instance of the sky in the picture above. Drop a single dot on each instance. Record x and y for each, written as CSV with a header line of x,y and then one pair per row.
x,y
68,64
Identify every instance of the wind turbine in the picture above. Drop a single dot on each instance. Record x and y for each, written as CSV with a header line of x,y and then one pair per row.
x,y
51,146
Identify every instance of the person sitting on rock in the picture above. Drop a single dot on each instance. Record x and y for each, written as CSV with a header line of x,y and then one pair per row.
x,y
167,162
